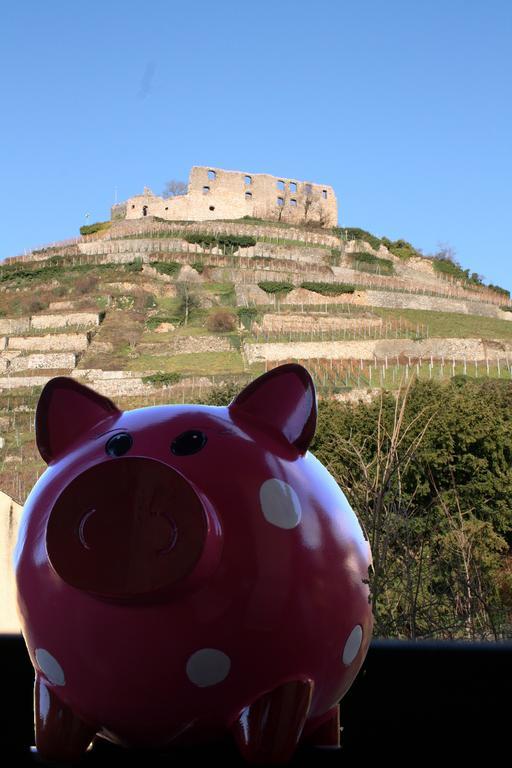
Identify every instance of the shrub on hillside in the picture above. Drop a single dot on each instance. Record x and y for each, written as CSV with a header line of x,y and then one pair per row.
x,y
247,315
400,248
451,267
85,284
98,226
334,257
221,320
355,233
499,289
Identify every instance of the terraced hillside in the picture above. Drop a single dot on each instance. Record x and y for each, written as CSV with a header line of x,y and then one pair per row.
x,y
151,311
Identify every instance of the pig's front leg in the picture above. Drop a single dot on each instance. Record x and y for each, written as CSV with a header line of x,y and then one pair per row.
x,y
269,730
60,734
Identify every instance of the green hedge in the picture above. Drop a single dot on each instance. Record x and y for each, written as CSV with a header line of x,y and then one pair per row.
x,y
162,379
98,226
328,289
270,286
134,266
368,258
170,268
230,243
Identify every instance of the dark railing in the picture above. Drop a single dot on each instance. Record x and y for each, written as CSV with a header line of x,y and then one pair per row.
x,y
433,703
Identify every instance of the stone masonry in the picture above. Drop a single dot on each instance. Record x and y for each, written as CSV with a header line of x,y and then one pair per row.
x,y
214,193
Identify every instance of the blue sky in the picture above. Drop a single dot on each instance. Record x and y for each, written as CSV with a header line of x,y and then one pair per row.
x,y
404,107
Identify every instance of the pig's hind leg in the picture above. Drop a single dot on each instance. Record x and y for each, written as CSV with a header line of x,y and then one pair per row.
x,y
323,731
60,734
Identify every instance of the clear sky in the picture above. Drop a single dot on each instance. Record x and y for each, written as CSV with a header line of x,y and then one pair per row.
x,y
403,106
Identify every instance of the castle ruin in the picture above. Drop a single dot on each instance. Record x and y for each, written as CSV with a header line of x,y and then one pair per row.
x,y
214,193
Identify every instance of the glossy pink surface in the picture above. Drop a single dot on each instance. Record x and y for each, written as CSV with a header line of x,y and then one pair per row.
x,y
161,595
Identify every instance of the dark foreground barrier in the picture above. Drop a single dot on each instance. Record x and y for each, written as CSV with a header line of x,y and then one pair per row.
x,y
412,702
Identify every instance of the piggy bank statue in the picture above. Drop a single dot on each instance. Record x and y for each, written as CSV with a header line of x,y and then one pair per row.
x,y
188,571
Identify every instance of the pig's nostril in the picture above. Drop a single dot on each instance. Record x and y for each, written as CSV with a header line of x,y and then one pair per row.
x,y
173,536
81,528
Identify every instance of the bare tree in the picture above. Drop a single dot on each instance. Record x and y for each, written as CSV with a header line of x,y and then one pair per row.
x,y
174,188
307,200
445,252
188,301
283,195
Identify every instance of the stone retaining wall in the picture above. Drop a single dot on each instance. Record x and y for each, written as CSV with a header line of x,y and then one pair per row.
x,y
14,325
10,515
253,295
430,303
20,382
87,319
193,344
458,349
37,362
72,342
316,323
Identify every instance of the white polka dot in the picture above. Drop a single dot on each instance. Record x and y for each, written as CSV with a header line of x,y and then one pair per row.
x,y
352,645
280,504
50,667
208,667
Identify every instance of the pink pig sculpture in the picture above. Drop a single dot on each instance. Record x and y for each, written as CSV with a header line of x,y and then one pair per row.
x,y
188,571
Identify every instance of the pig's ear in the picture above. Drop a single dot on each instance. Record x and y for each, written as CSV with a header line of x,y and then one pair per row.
x,y
66,410
283,398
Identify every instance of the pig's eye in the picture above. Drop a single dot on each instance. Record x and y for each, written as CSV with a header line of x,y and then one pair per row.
x,y
188,443
119,444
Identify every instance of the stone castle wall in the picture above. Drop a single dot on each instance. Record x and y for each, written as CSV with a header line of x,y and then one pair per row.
x,y
214,193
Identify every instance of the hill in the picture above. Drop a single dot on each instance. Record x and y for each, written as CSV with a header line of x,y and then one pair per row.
x,y
147,311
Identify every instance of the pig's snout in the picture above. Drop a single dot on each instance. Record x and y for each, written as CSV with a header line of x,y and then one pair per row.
x,y
130,528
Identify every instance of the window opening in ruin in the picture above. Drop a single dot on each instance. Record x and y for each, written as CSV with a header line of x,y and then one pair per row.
x,y
293,186
280,200
293,202
248,195
247,180
212,208
206,190
324,194
166,208
308,189
144,210
280,184
212,175
133,206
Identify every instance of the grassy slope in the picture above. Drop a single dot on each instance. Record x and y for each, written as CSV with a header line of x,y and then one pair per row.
x,y
448,324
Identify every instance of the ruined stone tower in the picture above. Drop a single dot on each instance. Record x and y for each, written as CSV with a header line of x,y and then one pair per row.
x,y
214,193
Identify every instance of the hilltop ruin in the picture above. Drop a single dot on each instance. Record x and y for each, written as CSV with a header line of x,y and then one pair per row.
x,y
214,193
